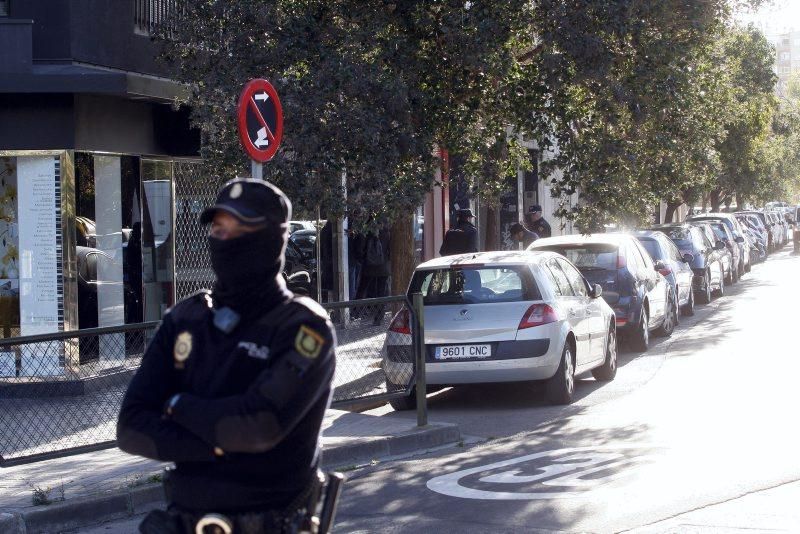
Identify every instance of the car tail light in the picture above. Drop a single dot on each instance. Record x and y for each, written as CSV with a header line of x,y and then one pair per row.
x,y
666,271
401,324
538,315
621,261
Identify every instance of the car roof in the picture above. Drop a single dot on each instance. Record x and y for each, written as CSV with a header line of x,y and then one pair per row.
x,y
578,239
502,257
654,234
712,216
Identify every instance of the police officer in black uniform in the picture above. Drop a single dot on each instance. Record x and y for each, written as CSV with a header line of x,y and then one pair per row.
x,y
234,385
536,223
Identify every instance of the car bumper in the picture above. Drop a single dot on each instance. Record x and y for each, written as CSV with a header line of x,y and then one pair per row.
x,y
511,361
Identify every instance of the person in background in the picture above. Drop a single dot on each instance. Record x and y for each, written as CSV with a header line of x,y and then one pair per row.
x,y
376,269
536,223
522,235
461,238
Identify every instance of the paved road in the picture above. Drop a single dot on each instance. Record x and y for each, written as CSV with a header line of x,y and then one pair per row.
x,y
703,418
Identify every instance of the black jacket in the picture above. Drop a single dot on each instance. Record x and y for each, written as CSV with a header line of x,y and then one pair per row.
x,y
244,432
461,239
541,228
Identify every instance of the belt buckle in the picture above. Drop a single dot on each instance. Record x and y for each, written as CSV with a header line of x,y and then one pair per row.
x,y
220,524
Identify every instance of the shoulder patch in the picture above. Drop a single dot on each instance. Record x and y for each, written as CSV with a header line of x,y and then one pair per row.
x,y
309,342
182,349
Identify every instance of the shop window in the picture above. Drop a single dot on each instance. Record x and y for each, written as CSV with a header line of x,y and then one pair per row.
x,y
158,260
108,230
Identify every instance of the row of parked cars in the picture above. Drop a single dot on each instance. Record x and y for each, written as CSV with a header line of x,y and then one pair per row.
x,y
560,307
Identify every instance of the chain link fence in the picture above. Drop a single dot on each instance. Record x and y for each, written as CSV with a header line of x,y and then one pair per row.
x,y
60,393
366,331
193,193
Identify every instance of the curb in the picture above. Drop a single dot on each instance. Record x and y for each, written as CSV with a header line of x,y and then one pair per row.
x,y
81,512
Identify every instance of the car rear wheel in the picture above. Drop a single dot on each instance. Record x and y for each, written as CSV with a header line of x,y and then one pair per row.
x,y
640,340
561,386
670,319
688,308
608,370
408,402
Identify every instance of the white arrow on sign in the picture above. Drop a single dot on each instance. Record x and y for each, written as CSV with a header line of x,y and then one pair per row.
x,y
262,138
262,96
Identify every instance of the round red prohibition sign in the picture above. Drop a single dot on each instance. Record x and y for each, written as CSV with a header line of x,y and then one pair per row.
x,y
260,120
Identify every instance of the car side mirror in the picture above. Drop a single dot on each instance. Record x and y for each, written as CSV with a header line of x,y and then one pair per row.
x,y
740,239
719,245
688,258
597,291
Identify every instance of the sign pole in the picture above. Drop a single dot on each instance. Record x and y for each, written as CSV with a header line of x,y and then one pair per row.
x,y
319,265
257,170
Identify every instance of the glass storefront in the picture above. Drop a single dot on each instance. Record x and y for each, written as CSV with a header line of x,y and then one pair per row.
x,y
100,254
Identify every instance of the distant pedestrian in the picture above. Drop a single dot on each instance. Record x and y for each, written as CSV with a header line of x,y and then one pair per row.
x,y
461,238
536,223
521,234
376,269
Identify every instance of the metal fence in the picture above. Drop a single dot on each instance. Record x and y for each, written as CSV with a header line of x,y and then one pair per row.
x,y
60,393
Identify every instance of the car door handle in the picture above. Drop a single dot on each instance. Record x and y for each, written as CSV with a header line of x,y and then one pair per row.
x,y
573,312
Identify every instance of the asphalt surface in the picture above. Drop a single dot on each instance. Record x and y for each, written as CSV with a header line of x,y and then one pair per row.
x,y
701,420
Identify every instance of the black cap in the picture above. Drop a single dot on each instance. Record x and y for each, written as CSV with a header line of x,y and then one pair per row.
x,y
253,202
535,208
465,213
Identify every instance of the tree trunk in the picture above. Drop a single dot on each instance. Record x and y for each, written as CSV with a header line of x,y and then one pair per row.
x,y
491,229
672,207
716,199
402,251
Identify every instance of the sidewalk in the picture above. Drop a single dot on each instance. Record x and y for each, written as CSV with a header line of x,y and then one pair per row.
x,y
104,485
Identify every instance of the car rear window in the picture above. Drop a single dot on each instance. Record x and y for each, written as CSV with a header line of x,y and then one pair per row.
x,y
587,257
475,285
651,246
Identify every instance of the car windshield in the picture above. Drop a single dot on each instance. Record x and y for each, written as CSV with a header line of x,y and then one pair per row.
x,y
474,285
588,257
719,231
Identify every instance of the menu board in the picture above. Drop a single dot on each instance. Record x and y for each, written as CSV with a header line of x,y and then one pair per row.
x,y
41,290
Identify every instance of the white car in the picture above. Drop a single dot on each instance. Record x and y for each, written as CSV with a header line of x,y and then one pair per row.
x,y
505,317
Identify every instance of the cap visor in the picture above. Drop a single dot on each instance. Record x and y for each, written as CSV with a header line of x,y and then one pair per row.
x,y
208,215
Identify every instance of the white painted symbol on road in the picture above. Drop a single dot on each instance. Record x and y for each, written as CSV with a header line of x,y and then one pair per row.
x,y
262,138
573,469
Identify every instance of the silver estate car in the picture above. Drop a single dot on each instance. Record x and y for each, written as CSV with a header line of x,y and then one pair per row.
x,y
505,317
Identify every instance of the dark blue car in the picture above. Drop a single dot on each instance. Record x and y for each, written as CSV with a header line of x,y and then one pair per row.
x,y
640,297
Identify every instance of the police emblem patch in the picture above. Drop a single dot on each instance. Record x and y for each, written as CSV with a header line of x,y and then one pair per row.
x,y
182,349
236,191
308,342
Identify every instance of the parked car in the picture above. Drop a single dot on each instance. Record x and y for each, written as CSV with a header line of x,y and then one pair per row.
x,y
640,297
672,265
725,255
306,241
778,232
294,226
505,317
737,232
760,220
721,233
706,262
756,234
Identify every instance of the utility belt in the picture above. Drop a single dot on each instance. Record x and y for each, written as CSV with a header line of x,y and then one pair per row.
x,y
311,512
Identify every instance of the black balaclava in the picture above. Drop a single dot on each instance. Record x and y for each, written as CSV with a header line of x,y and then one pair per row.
x,y
248,270
249,267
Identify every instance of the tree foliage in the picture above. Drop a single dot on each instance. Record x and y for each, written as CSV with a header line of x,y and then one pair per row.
x,y
632,101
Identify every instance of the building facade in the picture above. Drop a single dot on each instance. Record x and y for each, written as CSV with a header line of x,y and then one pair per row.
x,y
97,169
